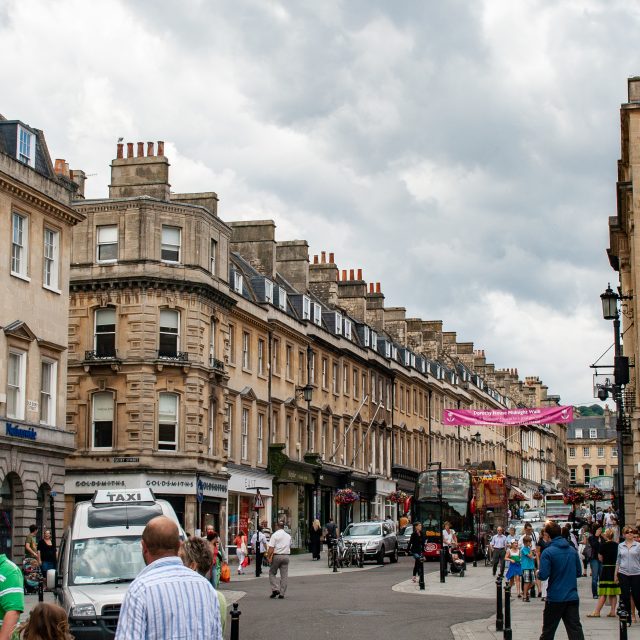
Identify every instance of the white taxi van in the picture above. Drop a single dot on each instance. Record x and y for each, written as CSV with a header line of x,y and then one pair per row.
x,y
100,555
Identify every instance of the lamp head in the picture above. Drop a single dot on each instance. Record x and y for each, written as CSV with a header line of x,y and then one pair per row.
x,y
609,304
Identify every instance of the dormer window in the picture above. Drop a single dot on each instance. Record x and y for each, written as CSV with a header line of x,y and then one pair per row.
x,y
306,308
317,314
338,324
347,329
282,299
26,150
394,353
268,291
374,340
387,350
412,360
366,336
237,282
407,359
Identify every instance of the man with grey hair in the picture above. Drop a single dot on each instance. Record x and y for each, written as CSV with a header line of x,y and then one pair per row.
x,y
278,553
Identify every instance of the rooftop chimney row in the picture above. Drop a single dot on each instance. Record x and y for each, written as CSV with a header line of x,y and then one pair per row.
x,y
140,154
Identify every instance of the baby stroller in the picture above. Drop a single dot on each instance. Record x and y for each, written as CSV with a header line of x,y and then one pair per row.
x,y
457,563
32,575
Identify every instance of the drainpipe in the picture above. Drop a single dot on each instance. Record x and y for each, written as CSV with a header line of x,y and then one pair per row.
x,y
276,497
429,417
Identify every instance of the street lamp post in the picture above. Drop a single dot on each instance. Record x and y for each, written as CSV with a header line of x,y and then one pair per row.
x,y
443,563
477,438
621,376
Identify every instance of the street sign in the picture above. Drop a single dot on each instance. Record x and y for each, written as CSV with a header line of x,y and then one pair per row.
x,y
258,504
200,491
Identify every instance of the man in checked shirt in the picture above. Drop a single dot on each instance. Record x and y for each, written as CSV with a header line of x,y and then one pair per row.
x,y
168,601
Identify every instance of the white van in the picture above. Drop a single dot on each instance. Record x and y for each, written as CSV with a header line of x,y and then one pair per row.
x,y
100,555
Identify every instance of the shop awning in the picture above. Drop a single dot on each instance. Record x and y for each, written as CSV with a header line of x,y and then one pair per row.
x,y
517,495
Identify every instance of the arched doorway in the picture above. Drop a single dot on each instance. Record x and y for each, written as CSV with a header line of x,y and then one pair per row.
x,y
43,521
11,503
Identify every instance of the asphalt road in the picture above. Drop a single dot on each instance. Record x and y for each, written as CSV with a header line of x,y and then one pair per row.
x,y
352,606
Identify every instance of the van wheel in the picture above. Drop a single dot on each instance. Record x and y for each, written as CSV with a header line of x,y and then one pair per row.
x,y
394,556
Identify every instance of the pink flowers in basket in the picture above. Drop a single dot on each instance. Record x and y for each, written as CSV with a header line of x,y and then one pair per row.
x,y
346,496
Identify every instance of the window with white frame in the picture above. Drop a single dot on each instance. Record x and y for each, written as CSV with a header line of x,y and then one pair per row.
x,y
345,379
282,299
334,382
104,339
306,308
312,371
614,452
324,373
587,475
366,336
260,437
323,439
572,475
107,243
600,452
290,436
364,385
288,357
593,433
169,342
232,344
317,314
16,384
19,245
268,291
48,392
299,440
572,452
229,429
51,266
374,340
373,387
212,341
347,329
168,422
586,452
355,383
245,350
213,252
102,420
276,356
338,323
237,282
244,434
261,344
311,441
170,250
578,433
26,150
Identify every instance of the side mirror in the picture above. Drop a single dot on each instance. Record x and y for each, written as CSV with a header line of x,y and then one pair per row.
x,y
51,580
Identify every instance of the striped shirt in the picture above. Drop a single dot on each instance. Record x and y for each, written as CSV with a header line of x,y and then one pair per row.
x,y
168,601
11,587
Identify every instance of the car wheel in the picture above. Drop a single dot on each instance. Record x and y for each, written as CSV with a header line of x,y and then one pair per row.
x,y
394,555
380,555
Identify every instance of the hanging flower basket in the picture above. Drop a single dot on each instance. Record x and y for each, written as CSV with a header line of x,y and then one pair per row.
x,y
346,496
537,496
398,496
593,493
573,496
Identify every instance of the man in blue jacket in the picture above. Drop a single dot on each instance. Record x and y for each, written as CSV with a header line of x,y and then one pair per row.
x,y
561,564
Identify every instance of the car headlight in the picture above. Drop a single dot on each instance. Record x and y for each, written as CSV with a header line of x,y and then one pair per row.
x,y
372,543
83,611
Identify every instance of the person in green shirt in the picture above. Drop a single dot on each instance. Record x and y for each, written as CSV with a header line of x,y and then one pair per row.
x,y
11,596
30,543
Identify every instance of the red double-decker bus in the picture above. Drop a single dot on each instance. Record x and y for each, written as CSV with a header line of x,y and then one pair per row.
x,y
457,507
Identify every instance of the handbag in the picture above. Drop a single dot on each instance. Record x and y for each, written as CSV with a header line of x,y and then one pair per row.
x,y
225,573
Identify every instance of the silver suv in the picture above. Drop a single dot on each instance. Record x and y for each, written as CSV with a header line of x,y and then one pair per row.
x,y
378,540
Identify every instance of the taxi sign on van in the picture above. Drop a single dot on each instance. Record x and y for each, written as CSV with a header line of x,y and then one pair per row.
x,y
126,496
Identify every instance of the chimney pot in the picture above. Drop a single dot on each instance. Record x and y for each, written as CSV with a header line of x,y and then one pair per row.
x,y
66,169
315,259
160,147
371,287
59,166
344,274
359,274
332,258
378,287
120,148
150,149
323,257
140,149
352,275
129,149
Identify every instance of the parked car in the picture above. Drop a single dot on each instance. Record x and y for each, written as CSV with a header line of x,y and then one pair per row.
x,y
403,539
532,516
378,540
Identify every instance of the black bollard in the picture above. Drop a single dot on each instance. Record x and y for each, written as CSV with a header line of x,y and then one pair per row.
x,y
335,555
41,589
421,575
507,611
443,564
235,622
499,617
623,618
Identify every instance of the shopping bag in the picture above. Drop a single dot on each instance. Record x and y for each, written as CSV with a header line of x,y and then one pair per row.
x,y
225,573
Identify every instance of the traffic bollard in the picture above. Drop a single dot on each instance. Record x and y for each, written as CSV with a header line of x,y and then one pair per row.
x,y
335,556
235,622
41,589
443,564
421,578
499,616
507,612
623,618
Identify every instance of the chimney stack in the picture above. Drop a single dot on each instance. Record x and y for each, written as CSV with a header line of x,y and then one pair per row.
x,y
141,175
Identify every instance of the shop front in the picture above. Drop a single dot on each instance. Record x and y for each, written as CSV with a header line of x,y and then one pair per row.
x,y
296,493
382,508
244,485
406,480
180,490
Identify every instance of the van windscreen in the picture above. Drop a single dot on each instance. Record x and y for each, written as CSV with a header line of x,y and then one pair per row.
x,y
134,515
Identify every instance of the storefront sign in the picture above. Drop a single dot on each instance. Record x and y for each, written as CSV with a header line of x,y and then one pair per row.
x,y
384,487
120,460
171,484
28,433
296,475
243,482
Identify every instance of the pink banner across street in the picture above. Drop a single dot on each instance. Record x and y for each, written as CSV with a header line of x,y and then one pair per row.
x,y
534,415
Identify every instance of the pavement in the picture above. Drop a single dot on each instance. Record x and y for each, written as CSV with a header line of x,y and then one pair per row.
x,y
526,618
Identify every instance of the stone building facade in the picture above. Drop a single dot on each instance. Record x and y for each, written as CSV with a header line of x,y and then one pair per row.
x,y
36,222
208,351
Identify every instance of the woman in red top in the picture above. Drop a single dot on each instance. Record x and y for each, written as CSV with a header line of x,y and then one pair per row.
x,y
241,549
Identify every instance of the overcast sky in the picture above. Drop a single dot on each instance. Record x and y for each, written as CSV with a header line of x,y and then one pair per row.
x,y
462,153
